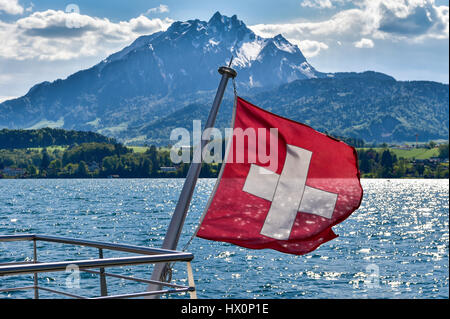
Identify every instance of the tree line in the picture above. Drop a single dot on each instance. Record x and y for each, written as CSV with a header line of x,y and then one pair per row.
x,y
97,160
45,137
101,160
385,164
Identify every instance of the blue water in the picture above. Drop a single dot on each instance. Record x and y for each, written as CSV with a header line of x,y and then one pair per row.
x,y
394,246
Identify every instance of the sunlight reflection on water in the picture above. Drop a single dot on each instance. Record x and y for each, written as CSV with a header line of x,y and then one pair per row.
x,y
394,246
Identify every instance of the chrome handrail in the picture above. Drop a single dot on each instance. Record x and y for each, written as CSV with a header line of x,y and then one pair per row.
x,y
146,256
89,243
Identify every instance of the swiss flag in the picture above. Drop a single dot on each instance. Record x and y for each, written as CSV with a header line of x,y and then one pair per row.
x,y
283,186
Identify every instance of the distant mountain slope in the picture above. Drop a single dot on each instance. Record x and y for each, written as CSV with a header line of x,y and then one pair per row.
x,y
369,105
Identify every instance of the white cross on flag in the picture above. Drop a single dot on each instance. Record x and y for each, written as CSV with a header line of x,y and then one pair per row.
x,y
283,185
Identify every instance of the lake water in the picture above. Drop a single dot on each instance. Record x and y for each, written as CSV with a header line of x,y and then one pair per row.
x,y
394,246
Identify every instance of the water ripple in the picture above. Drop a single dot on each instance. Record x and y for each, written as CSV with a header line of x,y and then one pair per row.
x,y
394,246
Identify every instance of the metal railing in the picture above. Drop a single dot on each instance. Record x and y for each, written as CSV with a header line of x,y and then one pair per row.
x,y
145,255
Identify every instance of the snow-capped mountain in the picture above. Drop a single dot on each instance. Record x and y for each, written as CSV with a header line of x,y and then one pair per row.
x,y
156,74
194,47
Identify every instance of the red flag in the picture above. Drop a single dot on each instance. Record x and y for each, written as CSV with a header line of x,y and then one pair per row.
x,y
287,199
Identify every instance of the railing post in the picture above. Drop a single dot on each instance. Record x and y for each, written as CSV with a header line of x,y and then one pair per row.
x,y
191,281
36,289
103,286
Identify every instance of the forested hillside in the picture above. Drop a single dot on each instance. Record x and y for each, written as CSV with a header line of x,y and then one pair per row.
x,y
48,137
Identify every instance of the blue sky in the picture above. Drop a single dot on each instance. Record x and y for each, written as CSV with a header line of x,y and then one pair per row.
x,y
43,40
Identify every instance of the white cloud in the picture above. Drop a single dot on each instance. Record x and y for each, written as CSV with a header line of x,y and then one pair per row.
x,y
317,4
11,7
342,24
6,98
364,43
57,35
30,8
162,8
398,20
310,48
323,4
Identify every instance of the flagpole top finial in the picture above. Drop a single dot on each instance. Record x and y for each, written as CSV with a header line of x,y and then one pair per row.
x,y
227,70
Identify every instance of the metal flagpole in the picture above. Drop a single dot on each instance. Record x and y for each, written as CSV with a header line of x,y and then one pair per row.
x,y
179,215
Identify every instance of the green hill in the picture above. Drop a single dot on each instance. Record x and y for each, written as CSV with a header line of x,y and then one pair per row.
x,y
369,106
46,137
